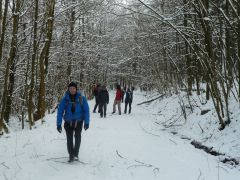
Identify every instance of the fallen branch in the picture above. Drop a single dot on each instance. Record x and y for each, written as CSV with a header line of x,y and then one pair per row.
x,y
140,164
172,123
3,163
231,161
209,150
57,158
151,100
227,160
201,128
185,137
148,132
120,155
173,141
205,111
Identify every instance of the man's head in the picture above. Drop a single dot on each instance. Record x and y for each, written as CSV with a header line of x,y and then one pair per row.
x,y
118,87
104,87
72,88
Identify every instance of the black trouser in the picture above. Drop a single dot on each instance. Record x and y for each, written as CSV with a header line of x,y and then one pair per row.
x,y
70,128
103,109
96,105
130,107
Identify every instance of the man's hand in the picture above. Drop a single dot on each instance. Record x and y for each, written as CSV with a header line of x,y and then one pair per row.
x,y
86,126
59,128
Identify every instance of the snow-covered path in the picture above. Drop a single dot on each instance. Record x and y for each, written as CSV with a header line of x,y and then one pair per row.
x,y
117,147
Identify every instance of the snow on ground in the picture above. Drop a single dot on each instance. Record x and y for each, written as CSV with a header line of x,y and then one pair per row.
x,y
168,116
126,147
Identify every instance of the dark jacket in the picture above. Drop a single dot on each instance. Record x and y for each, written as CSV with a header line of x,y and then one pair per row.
x,y
129,96
103,96
95,91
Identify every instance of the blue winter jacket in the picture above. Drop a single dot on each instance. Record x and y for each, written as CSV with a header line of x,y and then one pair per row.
x,y
64,109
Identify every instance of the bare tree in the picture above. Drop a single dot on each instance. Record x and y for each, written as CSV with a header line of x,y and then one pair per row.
x,y
44,58
10,68
34,57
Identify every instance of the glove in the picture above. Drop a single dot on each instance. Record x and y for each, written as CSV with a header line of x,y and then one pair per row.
x,y
59,128
86,126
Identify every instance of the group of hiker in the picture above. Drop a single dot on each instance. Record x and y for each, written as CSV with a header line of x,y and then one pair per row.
x,y
102,99
74,110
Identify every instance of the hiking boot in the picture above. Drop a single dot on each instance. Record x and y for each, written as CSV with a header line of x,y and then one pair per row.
x,y
76,158
71,159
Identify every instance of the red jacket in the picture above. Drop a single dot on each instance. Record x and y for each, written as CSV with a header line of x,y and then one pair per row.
x,y
118,95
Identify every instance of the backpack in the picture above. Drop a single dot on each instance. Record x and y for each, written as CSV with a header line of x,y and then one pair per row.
x,y
130,95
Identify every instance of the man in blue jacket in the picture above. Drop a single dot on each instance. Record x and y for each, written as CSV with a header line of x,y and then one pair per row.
x,y
74,109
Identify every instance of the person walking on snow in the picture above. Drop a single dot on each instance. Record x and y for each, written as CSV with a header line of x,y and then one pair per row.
x,y
128,101
117,100
95,93
103,97
74,109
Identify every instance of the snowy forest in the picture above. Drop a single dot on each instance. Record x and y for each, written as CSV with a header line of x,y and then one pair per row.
x,y
168,45
181,57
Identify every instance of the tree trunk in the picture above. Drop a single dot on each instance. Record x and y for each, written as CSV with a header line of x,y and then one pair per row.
x,y
71,36
43,60
211,74
12,59
3,26
229,64
34,56
10,68
188,58
238,42
81,76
